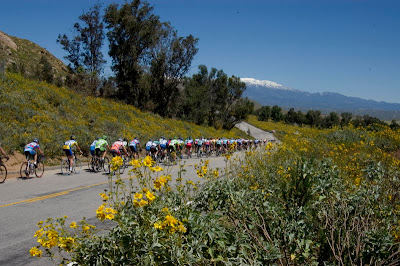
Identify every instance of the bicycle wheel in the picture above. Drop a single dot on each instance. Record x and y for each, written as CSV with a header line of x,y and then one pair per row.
x,y
77,168
24,171
96,165
65,167
90,164
122,168
106,164
39,169
3,173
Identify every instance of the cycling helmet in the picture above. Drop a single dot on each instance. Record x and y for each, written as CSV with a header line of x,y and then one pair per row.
x,y
72,136
36,140
96,138
104,137
120,139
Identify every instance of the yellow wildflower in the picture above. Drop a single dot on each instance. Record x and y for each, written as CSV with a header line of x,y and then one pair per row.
x,y
35,252
150,196
72,225
147,161
136,163
138,196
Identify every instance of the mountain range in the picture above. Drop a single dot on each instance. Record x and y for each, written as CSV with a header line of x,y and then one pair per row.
x,y
270,93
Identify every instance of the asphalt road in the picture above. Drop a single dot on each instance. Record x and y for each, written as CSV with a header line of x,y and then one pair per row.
x,y
25,202
255,131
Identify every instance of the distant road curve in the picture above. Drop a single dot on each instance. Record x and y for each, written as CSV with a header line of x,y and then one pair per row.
x,y
256,132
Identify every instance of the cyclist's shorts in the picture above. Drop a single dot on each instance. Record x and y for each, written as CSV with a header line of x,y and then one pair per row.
x,y
171,148
68,152
148,148
133,148
153,149
98,152
163,146
29,154
92,151
218,145
188,145
115,152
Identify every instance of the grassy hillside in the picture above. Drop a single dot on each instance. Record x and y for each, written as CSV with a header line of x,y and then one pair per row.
x,y
26,54
32,109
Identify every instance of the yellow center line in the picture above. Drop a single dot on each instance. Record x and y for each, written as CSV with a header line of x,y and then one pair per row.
x,y
60,193
53,195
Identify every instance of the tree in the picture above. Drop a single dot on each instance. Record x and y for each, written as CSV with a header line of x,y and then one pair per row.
x,y
45,70
213,98
300,118
276,113
394,125
84,48
331,120
264,113
291,116
171,60
313,118
346,118
133,31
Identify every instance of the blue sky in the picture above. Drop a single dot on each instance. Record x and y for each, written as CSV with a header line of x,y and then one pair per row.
x,y
346,46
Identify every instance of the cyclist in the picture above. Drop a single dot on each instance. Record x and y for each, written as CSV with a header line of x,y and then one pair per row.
x,y
188,145
134,147
93,146
3,152
148,147
180,145
30,150
117,147
163,146
67,148
101,147
172,146
155,149
218,144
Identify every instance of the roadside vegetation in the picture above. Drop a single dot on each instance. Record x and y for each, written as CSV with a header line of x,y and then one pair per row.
x,y
33,109
320,197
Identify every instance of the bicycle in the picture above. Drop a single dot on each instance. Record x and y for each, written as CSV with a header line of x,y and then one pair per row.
x,y
28,168
3,170
76,166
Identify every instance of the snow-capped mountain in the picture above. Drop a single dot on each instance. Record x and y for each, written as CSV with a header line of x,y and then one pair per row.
x,y
271,93
264,83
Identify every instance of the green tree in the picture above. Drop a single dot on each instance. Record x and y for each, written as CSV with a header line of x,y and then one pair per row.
x,y
133,32
394,125
346,118
331,120
264,113
84,49
276,113
291,116
171,60
313,118
214,98
44,70
300,118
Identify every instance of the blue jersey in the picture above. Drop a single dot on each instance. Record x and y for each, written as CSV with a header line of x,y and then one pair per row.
x,y
31,146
